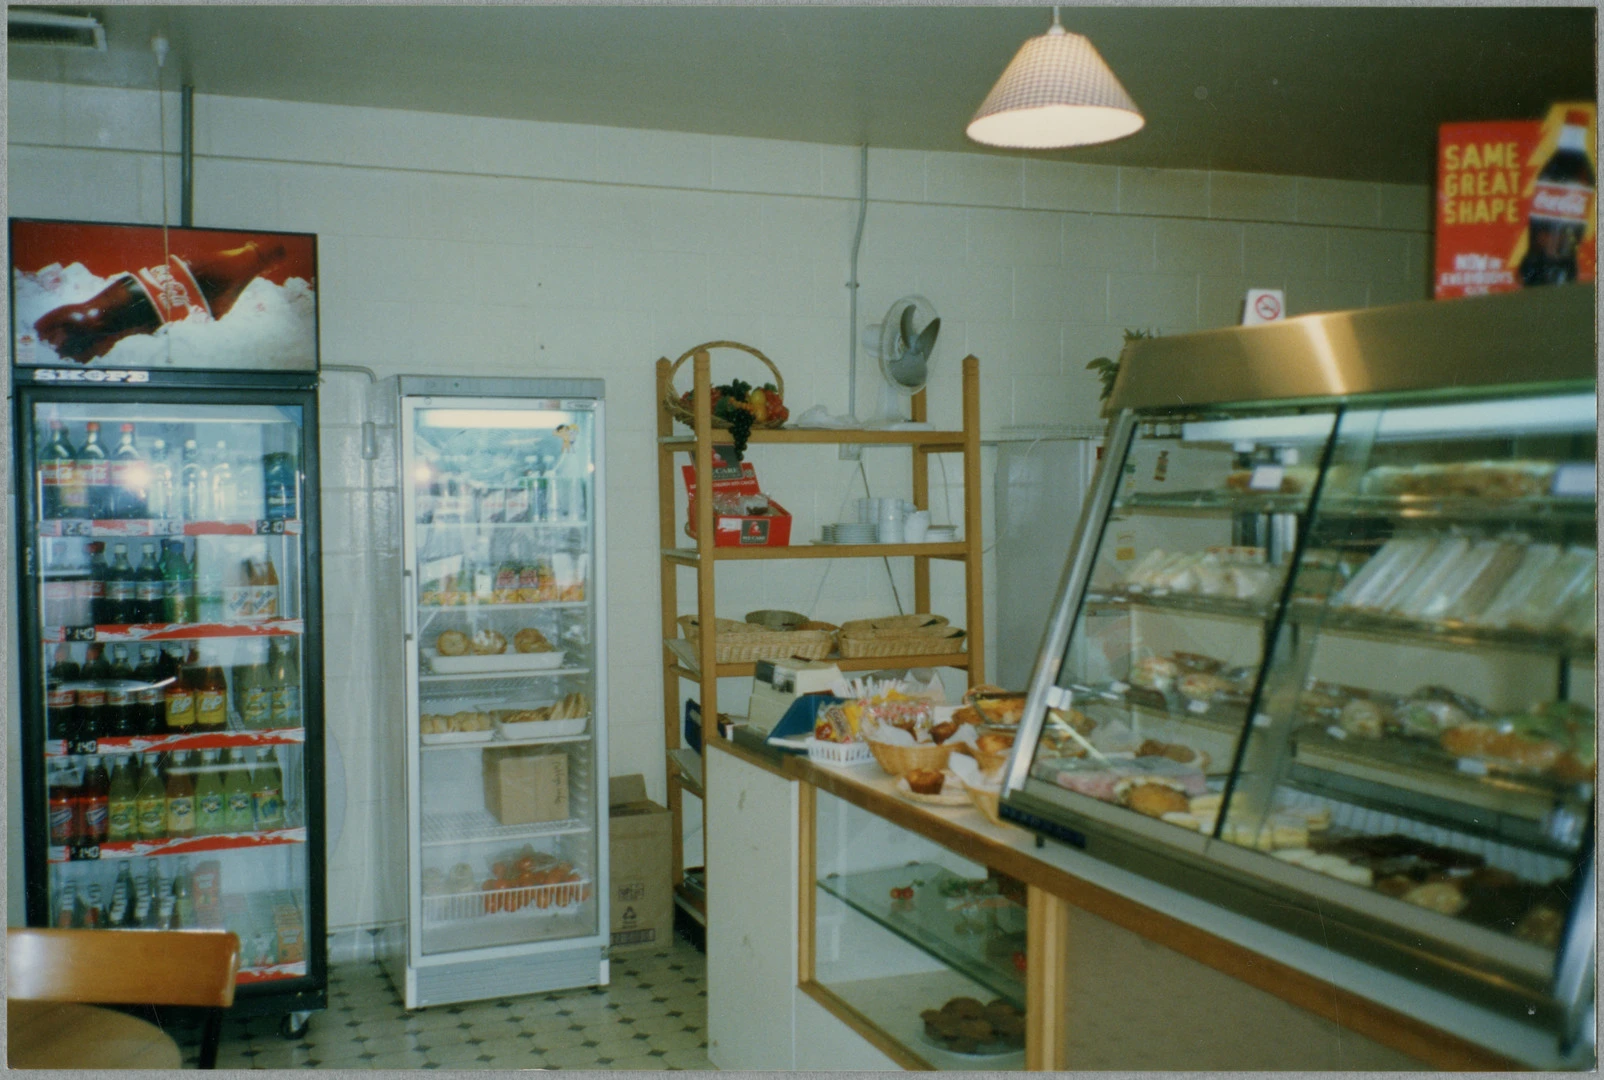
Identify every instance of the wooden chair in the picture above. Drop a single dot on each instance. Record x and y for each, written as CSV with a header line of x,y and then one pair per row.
x,y
127,967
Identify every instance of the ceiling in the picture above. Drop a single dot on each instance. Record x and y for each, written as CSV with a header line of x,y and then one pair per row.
x,y
1351,93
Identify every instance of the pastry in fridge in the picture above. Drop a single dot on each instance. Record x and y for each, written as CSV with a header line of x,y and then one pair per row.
x,y
452,643
1412,596
489,643
1374,586
1535,563
1570,575
1476,579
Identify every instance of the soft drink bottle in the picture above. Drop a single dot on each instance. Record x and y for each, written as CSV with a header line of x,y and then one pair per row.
x,y
63,796
224,497
122,605
56,492
286,686
92,588
267,792
178,698
178,585
94,907
239,815
92,800
159,495
122,802
121,715
92,719
148,719
211,702
1562,203
210,802
194,485
180,798
152,800
129,479
281,486
149,601
253,693
249,494
183,896
94,472
61,711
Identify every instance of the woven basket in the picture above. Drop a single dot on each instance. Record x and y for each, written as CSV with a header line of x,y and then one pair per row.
x,y
896,624
677,409
937,640
900,760
740,642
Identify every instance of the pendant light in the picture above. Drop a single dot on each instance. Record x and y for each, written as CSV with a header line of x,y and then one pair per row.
x,y
1056,92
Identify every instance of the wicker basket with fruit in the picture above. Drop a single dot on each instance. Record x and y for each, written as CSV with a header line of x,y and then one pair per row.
x,y
737,405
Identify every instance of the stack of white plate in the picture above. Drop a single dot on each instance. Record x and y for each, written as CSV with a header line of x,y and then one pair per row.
x,y
941,534
853,532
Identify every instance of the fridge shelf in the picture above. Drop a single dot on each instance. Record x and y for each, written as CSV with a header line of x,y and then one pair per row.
x,y
153,744
270,974
1210,503
136,527
1183,602
1441,634
521,902
174,631
505,524
493,743
481,827
554,604
189,845
532,673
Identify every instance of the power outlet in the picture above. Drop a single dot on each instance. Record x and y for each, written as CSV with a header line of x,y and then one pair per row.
x,y
851,452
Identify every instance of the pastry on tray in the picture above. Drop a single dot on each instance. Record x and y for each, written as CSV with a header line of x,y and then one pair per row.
x,y
452,643
925,781
489,643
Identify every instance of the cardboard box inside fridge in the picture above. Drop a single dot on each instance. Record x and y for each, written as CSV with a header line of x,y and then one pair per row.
x,y
1515,203
743,516
642,899
525,785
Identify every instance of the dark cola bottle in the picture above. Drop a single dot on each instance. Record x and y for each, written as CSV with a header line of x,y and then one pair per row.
x,y
1562,203
143,301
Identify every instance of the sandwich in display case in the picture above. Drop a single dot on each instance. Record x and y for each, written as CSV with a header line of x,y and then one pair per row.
x,y
1324,648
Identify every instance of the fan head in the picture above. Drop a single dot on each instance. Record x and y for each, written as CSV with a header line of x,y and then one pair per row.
x,y
907,343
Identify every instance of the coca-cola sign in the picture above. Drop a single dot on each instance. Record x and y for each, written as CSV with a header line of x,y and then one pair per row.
x,y
88,297
1567,202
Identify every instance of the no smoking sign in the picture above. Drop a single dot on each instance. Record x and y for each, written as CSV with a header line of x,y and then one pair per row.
x,y
1262,306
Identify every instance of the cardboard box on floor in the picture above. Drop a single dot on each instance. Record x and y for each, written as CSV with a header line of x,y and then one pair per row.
x,y
638,845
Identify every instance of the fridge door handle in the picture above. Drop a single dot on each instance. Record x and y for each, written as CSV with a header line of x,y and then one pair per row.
x,y
410,600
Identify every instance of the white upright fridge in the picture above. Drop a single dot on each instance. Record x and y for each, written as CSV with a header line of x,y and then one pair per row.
x,y
500,723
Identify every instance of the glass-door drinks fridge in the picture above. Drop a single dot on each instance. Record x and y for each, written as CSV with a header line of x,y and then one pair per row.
x,y
500,603
165,448
171,667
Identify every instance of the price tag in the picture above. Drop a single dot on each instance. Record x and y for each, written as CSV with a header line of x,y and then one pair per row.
x,y
1473,766
77,527
1267,477
84,852
1197,707
270,527
1336,733
1262,720
1059,697
78,633
1574,480
84,746
167,528
1117,687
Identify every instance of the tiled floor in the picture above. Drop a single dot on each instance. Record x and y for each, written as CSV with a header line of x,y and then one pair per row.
x,y
653,1016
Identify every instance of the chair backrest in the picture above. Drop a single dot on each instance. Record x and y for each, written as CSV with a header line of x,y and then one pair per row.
x,y
123,967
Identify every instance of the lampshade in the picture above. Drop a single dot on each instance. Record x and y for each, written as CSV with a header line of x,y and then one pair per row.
x,y
1056,92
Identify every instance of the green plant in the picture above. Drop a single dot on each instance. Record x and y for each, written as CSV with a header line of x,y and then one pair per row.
x,y
1108,370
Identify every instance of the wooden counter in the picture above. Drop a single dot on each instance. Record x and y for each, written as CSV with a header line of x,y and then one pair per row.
x,y
1056,875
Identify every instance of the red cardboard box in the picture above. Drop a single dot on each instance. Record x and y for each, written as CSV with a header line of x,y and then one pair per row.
x,y
736,478
1515,203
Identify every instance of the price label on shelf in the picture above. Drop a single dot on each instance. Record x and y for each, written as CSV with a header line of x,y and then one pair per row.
x,y
78,633
1197,707
1473,766
83,852
1574,480
1336,733
1117,687
83,746
1267,477
271,527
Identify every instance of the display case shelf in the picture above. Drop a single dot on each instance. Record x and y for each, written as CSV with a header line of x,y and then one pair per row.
x,y
555,605
1442,635
1211,503
958,928
1427,508
139,849
1184,603
112,528
160,744
493,743
504,524
1220,719
505,676
481,827
139,632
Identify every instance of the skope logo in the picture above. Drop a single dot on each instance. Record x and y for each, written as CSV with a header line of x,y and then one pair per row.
x,y
93,375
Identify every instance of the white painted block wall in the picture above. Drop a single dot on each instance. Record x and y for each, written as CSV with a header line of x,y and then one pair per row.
x,y
501,247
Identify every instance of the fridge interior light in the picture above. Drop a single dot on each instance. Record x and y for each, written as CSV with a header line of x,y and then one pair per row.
x,y
1303,427
1476,419
521,419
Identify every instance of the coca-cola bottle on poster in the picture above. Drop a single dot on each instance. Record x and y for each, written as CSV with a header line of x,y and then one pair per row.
x,y
1562,203
144,301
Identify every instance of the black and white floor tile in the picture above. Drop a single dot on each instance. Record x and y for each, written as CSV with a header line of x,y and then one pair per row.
x,y
652,1016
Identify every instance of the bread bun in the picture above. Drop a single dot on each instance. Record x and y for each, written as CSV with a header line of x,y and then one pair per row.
x,y
530,640
488,643
452,643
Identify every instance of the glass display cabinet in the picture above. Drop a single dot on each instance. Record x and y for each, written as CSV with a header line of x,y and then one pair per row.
x,y
1324,648
918,948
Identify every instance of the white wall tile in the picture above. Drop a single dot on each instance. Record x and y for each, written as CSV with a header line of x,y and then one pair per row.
x,y
1073,295
653,158
1366,254
896,175
840,168
1274,252
1306,296
1173,192
1108,242
1252,196
1219,299
1405,206
809,228
1014,237
1181,245
961,291
1153,300
1065,185
35,113
706,222
73,184
237,194
974,179
1337,202
766,166
905,231
532,148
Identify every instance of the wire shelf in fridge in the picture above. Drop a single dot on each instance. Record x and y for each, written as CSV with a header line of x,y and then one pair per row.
x,y
480,826
563,898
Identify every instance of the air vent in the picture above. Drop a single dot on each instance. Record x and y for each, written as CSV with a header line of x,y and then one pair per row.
x,y
54,30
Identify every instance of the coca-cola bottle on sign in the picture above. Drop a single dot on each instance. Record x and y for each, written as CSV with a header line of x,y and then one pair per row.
x,y
144,301
1562,204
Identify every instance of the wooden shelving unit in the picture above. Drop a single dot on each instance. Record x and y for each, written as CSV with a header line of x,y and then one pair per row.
x,y
704,557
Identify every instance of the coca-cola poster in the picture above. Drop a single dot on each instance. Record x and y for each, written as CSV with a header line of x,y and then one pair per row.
x,y
1515,203
150,297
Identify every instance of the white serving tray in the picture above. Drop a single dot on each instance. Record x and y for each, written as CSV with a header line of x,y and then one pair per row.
x,y
541,729
484,665
445,738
